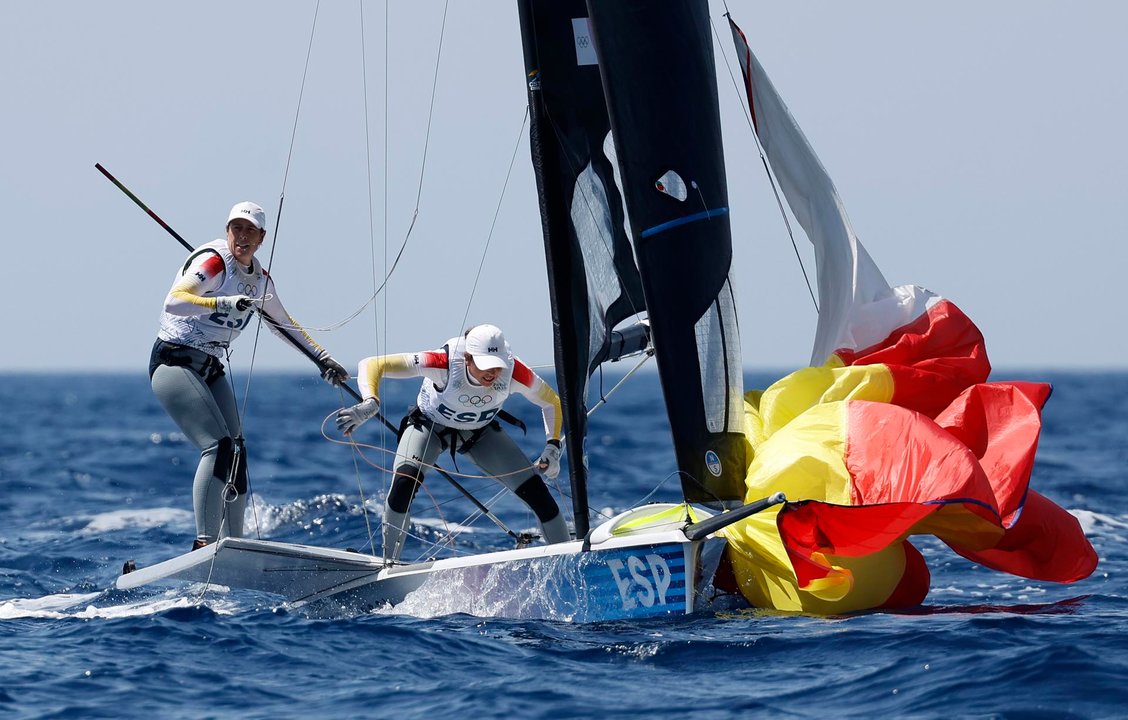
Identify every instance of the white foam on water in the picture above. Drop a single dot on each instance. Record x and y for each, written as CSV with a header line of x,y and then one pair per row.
x,y
84,606
442,526
1108,528
215,597
141,518
266,518
1090,520
49,606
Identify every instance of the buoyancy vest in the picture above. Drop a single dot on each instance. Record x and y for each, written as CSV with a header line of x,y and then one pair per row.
x,y
213,331
461,403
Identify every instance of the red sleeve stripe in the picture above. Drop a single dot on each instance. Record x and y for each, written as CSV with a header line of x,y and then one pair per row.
x,y
212,266
433,359
522,373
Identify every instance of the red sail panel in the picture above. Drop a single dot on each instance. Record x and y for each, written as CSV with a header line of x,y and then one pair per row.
x,y
911,475
932,359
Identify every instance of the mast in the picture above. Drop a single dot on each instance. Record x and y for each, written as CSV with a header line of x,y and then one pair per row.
x,y
656,63
593,282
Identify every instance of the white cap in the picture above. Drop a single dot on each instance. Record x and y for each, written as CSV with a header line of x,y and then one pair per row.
x,y
249,211
487,346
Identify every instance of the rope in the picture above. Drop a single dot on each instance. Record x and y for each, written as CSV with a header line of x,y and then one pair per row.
x,y
360,447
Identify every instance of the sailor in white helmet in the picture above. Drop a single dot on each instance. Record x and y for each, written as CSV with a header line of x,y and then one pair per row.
x,y
465,383
211,301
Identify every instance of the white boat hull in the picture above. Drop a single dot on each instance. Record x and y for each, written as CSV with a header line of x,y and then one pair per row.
x,y
647,572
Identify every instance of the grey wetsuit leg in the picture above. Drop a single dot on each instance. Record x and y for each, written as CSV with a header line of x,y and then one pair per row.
x,y
205,414
556,530
498,454
418,448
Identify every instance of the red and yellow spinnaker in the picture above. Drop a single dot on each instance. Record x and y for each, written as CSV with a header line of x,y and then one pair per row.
x,y
874,452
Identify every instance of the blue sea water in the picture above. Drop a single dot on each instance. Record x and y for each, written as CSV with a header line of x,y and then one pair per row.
x,y
93,473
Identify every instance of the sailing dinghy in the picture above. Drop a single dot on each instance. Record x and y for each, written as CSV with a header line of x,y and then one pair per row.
x,y
646,561
626,148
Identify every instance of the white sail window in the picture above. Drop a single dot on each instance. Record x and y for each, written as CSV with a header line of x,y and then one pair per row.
x,y
718,355
591,219
671,184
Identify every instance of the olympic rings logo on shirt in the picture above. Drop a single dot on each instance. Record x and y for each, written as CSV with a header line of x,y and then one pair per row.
x,y
248,289
475,400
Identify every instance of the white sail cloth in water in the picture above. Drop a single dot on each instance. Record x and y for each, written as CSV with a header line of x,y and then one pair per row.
x,y
857,307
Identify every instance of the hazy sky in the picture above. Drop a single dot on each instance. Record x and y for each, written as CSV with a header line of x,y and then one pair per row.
x,y
980,149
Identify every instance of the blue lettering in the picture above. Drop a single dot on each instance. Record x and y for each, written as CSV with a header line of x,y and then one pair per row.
x,y
220,318
445,411
468,416
488,415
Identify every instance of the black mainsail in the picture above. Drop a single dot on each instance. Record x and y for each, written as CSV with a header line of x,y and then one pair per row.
x,y
656,63
593,282
626,147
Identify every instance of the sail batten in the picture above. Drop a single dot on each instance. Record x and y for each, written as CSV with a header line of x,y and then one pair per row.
x,y
704,215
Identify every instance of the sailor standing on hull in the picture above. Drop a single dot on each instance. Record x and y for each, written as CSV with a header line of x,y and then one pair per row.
x,y
208,306
465,383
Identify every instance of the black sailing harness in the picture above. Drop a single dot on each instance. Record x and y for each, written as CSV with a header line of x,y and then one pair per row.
x,y
451,437
208,367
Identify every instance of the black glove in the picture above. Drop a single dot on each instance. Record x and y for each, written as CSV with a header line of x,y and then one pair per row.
x,y
332,371
238,303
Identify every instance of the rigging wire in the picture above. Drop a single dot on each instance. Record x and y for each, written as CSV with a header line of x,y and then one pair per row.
x,y
274,245
384,193
603,396
278,216
497,211
419,190
493,225
419,187
764,160
371,236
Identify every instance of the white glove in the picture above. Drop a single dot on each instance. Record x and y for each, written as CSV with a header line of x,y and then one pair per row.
x,y
549,461
232,303
350,418
332,371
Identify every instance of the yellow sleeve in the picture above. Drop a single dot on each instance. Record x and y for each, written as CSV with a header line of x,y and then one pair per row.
x,y
186,296
372,369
